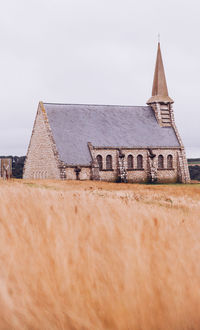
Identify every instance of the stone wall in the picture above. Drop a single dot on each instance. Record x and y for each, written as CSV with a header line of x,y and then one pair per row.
x,y
84,174
183,165
165,117
107,175
139,175
41,162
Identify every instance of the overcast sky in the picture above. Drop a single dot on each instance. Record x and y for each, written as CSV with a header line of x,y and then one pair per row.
x,y
98,52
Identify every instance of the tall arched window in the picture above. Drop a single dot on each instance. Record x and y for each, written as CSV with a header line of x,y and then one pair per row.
x,y
160,162
130,162
169,162
139,162
109,162
100,162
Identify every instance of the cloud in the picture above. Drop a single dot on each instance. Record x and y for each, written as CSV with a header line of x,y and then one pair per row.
x,y
95,51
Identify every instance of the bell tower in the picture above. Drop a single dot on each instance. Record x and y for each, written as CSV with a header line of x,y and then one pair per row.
x,y
160,100
161,103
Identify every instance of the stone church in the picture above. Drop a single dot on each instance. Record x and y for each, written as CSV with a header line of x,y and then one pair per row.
x,y
109,142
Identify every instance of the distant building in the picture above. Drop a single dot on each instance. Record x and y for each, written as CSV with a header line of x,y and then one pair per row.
x,y
109,142
5,167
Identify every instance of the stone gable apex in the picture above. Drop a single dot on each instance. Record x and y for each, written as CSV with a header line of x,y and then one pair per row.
x,y
42,159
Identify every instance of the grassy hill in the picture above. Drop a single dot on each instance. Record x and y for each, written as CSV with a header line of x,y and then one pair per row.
x,y
93,255
193,161
194,168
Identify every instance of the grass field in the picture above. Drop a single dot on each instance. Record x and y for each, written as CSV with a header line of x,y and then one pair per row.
x,y
193,161
92,255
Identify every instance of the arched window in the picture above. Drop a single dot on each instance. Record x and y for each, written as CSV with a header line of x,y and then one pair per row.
x,y
109,162
139,162
100,162
160,162
130,161
169,162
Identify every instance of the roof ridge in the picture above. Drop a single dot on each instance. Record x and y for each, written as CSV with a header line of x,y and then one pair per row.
x,y
99,105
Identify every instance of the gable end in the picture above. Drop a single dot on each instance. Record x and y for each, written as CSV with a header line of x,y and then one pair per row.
x,y
42,161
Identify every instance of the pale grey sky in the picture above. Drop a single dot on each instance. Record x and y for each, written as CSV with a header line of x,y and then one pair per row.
x,y
99,52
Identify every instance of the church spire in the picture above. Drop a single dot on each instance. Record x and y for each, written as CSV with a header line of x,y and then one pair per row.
x,y
159,90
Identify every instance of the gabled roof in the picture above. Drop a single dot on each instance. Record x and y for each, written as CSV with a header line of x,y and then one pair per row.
x,y
159,90
73,126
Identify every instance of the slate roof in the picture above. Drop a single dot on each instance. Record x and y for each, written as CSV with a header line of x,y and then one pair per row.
x,y
73,126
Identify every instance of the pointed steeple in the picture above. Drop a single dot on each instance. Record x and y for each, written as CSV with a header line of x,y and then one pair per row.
x,y
159,90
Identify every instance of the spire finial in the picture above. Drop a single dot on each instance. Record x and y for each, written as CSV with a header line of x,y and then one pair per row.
x,y
158,37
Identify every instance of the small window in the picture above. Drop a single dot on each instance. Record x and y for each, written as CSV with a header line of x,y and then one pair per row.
x,y
169,162
130,162
139,162
109,162
160,162
100,162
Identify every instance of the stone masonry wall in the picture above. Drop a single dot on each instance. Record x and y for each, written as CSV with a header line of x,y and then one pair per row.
x,y
165,117
182,156
139,175
85,173
41,162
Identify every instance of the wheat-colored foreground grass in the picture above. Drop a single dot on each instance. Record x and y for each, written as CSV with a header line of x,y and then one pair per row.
x,y
86,255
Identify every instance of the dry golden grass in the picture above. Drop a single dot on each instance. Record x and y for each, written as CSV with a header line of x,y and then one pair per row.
x,y
91,255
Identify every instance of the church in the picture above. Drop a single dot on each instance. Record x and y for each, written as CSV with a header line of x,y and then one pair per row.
x,y
109,142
